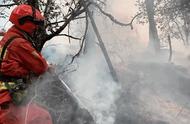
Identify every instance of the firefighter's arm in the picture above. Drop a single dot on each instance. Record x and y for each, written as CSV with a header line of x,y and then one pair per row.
x,y
31,59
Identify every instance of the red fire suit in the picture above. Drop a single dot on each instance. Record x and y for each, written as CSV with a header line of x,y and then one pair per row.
x,y
19,60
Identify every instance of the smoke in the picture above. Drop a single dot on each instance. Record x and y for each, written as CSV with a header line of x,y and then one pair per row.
x,y
95,87
91,82
151,90
88,77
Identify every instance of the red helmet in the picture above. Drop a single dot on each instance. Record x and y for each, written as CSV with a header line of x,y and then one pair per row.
x,y
26,18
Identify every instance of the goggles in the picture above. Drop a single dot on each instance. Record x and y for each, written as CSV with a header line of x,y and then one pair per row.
x,y
31,19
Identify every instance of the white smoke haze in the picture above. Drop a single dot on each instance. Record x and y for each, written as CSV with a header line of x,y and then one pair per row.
x,y
95,87
91,82
153,90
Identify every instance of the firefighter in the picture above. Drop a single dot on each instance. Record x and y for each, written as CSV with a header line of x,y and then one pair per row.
x,y
20,58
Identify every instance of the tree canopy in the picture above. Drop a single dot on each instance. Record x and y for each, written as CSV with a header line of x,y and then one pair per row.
x,y
171,17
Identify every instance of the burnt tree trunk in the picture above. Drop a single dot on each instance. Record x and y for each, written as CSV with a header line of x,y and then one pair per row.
x,y
153,33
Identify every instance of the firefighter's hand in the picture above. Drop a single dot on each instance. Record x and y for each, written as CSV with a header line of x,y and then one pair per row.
x,y
51,68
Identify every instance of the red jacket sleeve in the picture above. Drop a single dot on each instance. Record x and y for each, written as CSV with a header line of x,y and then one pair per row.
x,y
30,58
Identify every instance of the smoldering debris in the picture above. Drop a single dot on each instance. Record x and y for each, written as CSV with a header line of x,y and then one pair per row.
x,y
154,93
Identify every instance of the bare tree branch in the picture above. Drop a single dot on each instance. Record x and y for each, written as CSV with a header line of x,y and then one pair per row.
x,y
76,38
7,5
178,27
170,47
81,17
83,41
115,20
68,31
67,21
17,2
46,8
57,22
